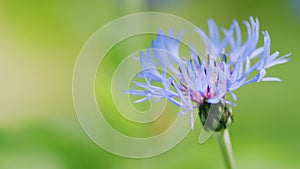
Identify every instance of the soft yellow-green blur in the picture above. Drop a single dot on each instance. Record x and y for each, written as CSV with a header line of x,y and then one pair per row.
x,y
39,45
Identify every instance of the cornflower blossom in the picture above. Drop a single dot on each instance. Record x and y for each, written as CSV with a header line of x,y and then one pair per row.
x,y
198,82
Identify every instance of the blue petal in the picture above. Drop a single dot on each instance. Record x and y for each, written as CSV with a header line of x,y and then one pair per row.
x,y
141,100
275,79
213,32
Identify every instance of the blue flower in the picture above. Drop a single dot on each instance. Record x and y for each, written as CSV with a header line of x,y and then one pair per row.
x,y
227,65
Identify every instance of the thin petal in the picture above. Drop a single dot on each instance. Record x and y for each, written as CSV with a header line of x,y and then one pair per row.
x,y
276,79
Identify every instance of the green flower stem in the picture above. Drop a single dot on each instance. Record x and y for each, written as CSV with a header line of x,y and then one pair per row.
x,y
223,140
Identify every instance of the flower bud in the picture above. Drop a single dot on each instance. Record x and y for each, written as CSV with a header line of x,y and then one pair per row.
x,y
215,116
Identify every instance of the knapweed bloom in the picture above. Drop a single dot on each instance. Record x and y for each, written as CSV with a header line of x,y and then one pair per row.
x,y
198,82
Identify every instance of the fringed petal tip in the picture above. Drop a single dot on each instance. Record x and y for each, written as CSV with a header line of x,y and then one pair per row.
x,y
268,79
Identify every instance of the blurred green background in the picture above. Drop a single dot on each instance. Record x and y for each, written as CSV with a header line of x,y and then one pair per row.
x,y
39,45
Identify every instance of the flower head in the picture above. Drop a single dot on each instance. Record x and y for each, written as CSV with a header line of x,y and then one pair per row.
x,y
191,83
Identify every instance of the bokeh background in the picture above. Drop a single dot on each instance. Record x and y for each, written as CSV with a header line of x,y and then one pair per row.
x,y
39,45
